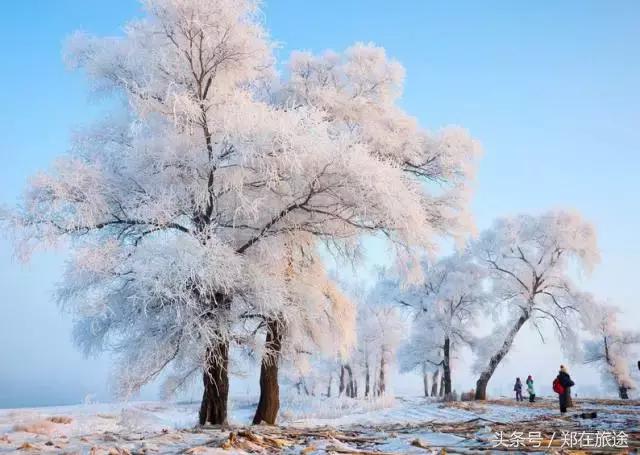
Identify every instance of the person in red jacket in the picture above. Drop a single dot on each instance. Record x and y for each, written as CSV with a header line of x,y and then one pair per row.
x,y
561,385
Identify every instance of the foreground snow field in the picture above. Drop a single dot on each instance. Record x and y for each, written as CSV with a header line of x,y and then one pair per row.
x,y
401,425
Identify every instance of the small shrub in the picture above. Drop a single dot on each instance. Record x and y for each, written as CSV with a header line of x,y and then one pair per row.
x,y
36,427
468,396
60,419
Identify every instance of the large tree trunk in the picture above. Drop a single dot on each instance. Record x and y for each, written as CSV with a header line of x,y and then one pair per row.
x,y
269,403
213,408
350,390
446,367
485,376
381,384
341,386
434,383
329,386
367,379
425,380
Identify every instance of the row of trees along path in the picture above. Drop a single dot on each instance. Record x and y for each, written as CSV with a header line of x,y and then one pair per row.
x,y
518,270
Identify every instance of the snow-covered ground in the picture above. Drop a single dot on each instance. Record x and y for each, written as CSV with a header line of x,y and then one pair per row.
x,y
400,425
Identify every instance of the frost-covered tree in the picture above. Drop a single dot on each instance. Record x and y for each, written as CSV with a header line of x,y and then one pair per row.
x,y
358,91
380,332
175,205
422,352
611,349
446,308
356,94
361,371
530,259
315,322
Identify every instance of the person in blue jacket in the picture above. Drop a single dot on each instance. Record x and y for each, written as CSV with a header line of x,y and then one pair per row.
x,y
518,389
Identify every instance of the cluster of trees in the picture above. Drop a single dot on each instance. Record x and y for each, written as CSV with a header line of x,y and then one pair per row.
x,y
196,211
199,210
518,272
363,371
445,309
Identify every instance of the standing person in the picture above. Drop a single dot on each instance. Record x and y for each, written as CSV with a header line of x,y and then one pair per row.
x,y
531,390
561,385
518,389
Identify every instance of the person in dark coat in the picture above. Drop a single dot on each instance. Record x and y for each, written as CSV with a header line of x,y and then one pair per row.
x,y
566,382
518,389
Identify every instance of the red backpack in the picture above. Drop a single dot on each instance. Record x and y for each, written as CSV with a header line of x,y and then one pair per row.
x,y
557,386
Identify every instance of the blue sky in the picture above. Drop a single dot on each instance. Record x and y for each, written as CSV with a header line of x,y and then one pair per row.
x,y
551,89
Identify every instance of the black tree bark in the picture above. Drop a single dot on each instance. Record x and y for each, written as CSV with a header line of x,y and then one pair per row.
x,y
215,377
213,408
367,380
269,403
446,367
425,380
351,387
485,376
381,384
